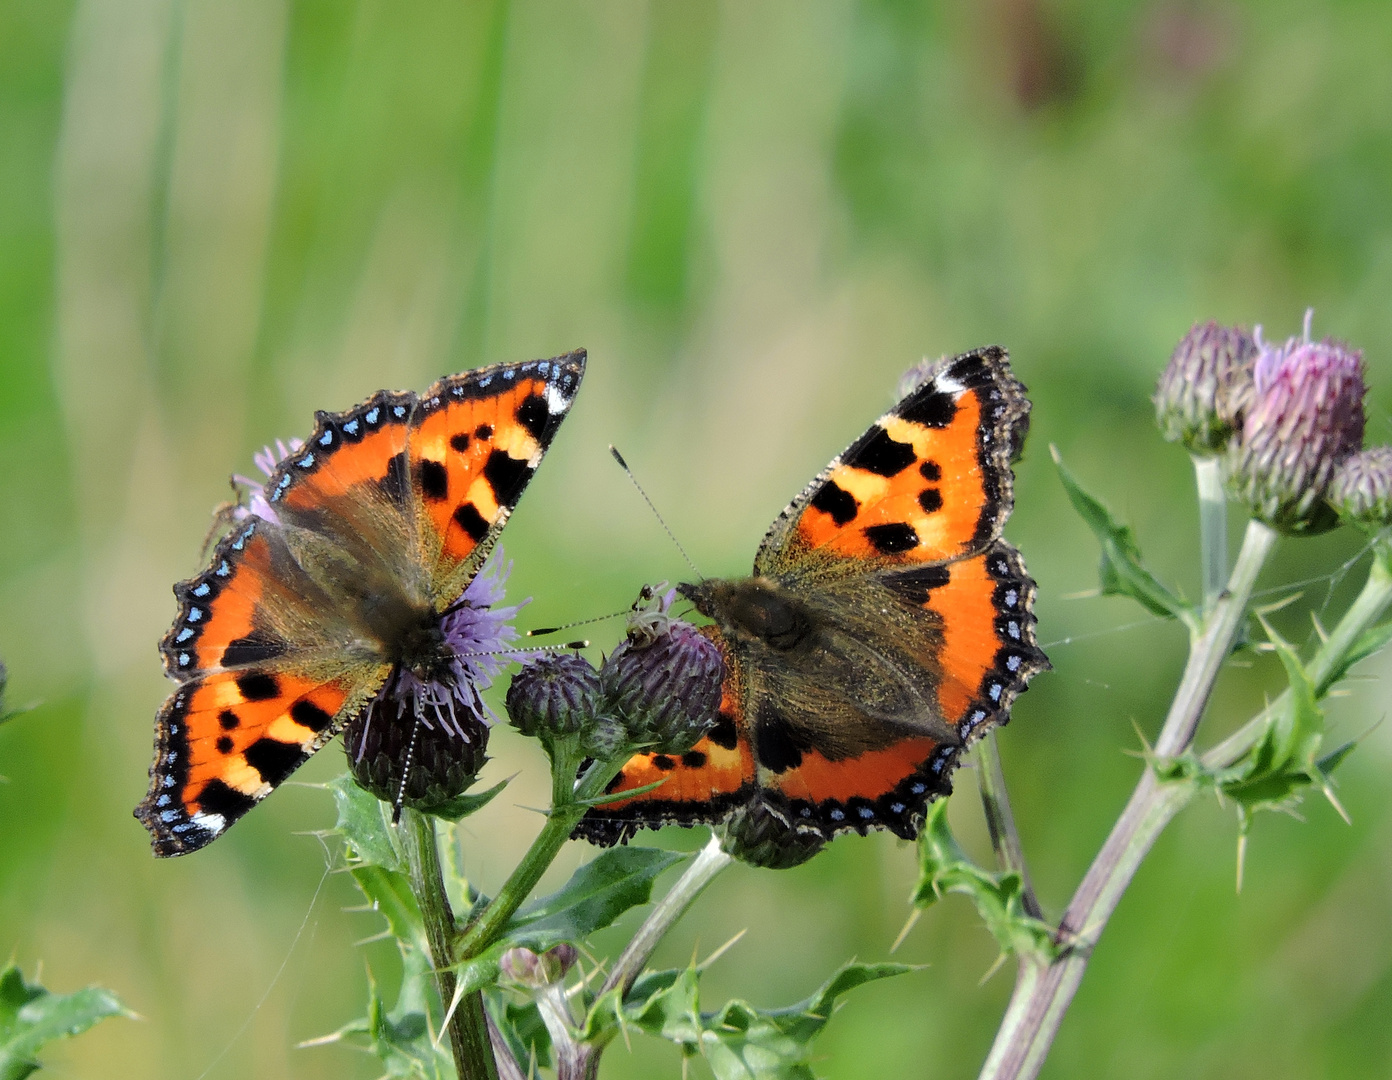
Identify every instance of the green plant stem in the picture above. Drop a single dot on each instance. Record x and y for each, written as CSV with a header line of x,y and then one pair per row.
x,y
1000,820
468,1024
1213,527
1043,991
568,807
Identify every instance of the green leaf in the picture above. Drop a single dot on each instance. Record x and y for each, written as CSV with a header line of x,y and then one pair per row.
x,y
400,1038
1121,571
461,806
523,1030
1371,641
742,1042
597,894
999,897
364,824
31,1017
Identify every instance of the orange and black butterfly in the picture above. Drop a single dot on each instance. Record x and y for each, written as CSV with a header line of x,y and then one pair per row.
x,y
887,624
356,551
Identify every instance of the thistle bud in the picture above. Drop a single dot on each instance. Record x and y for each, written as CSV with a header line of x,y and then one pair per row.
x,y
665,691
756,835
439,767
1205,387
1304,419
1361,490
554,695
526,968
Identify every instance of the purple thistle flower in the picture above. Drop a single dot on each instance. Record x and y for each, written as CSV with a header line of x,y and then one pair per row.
x,y
1305,418
433,729
267,460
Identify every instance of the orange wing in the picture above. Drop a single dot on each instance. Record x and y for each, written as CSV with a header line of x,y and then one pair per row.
x,y
930,481
254,703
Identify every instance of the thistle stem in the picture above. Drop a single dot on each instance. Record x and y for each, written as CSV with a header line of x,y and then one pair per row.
x,y
1043,992
468,1025
1000,820
569,806
1213,527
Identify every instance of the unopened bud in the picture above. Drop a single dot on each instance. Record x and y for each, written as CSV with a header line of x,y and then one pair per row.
x,y
757,835
554,695
526,968
666,692
1361,490
440,766
1205,387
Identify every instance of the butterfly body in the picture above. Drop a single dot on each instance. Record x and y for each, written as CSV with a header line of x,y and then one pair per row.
x,y
346,572
886,624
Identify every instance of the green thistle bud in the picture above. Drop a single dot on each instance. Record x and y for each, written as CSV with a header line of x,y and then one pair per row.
x,y
1304,419
527,969
1205,387
442,764
604,739
554,695
665,686
1361,490
756,835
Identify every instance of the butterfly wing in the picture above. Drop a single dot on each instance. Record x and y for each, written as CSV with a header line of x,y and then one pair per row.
x,y
924,633
278,643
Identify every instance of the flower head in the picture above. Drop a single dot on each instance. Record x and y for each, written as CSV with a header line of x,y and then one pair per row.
x,y
433,730
556,694
1361,490
664,682
1304,419
267,460
1205,387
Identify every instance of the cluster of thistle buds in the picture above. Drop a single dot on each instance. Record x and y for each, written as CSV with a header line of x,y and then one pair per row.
x,y
1285,420
658,691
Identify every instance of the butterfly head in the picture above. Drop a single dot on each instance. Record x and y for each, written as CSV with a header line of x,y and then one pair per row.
x,y
753,609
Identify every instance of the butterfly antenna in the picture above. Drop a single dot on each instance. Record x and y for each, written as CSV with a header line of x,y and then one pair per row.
x,y
542,631
400,799
670,535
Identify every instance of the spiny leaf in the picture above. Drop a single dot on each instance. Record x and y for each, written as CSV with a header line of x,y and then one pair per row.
x,y
31,1017
1371,641
999,897
364,825
461,806
1121,570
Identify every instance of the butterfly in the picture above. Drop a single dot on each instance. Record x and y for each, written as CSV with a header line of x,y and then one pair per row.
x,y
886,625
358,547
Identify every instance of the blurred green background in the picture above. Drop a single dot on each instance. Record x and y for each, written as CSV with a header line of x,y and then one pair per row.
x,y
216,217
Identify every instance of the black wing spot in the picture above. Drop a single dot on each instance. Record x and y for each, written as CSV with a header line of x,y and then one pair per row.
x,y
916,585
693,759
776,745
507,475
273,759
307,714
256,648
219,798
533,415
460,442
931,408
892,539
258,686
931,500
724,734
229,720
224,745
881,455
663,762
837,502
930,470
484,431
394,484
434,480
468,518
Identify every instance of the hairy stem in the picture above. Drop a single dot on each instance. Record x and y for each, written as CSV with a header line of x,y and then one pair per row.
x,y
569,806
468,1024
1000,819
1043,992
1213,527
